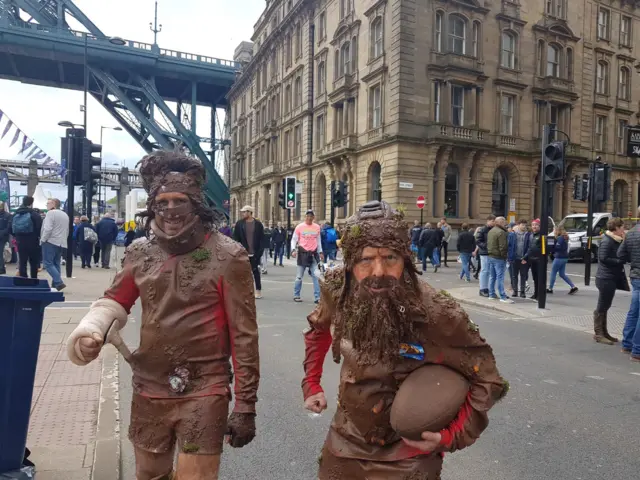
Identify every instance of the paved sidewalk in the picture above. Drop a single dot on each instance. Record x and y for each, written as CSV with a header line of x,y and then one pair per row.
x,y
73,430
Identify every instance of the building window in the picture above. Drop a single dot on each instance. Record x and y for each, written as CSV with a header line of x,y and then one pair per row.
x,y
602,78
322,78
296,140
569,64
320,131
475,38
298,41
437,101
376,37
500,193
457,105
287,142
625,31
553,61
297,94
507,110
457,34
451,185
508,50
620,197
438,30
375,182
345,59
287,99
621,134
624,83
601,132
322,26
375,106
287,48
604,19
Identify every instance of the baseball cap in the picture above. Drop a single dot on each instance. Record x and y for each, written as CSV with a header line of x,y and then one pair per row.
x,y
247,208
310,212
537,220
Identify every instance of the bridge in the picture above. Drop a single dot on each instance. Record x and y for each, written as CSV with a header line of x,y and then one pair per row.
x,y
132,80
32,173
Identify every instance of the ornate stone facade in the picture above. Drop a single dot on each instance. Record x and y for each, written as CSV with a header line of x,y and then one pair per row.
x,y
443,98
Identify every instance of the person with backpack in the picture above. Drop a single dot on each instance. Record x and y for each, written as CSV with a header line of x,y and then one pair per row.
x,y
5,227
25,228
107,231
86,238
329,238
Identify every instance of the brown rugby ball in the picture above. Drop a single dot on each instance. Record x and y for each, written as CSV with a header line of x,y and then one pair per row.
x,y
428,401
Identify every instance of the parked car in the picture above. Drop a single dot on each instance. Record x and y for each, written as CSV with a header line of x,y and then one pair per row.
x,y
576,227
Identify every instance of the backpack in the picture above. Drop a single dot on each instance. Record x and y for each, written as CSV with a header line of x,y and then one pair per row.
x,y
22,223
90,236
332,235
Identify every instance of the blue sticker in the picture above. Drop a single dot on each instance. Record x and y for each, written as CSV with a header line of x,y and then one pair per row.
x,y
412,350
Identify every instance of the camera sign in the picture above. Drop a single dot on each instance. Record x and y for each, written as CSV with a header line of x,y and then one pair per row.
x,y
633,142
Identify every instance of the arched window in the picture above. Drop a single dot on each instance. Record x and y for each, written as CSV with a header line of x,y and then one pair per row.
x,y
375,181
569,64
475,40
376,38
345,59
541,58
500,193
553,61
322,78
321,197
457,34
624,83
438,31
451,185
602,78
620,204
508,59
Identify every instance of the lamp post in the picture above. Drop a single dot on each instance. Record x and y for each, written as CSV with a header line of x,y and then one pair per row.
x,y
154,27
100,184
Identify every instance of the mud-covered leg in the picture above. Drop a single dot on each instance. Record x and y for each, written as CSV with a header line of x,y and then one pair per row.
x,y
153,466
197,467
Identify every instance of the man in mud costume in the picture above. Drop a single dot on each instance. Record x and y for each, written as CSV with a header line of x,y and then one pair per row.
x,y
368,309
192,282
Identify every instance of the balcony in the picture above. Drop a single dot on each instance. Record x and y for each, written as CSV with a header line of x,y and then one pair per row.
x,y
340,146
237,183
272,125
602,100
453,61
624,106
342,84
464,134
375,134
555,85
512,143
239,152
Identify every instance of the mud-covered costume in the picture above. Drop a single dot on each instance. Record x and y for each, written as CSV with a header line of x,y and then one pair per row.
x,y
198,312
361,443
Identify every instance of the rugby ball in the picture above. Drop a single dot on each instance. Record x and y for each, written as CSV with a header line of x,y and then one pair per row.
x,y
428,400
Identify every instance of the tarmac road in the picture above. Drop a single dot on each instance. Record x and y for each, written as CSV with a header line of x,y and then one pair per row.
x,y
571,414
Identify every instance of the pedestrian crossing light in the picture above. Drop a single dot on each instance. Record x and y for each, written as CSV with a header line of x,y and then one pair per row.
x,y
290,192
554,162
281,196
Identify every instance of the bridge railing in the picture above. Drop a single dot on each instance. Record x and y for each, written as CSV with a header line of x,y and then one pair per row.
x,y
148,47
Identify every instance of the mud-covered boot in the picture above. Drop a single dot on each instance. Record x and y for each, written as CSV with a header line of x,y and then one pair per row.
x,y
598,328
606,332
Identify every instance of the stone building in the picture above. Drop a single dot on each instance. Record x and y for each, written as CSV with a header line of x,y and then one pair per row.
x,y
441,98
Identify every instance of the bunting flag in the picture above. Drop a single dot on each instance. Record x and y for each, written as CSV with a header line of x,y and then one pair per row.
x,y
32,152
15,137
6,129
1,114
29,149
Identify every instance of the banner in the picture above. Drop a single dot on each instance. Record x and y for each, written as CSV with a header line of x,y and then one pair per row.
x,y
28,148
5,186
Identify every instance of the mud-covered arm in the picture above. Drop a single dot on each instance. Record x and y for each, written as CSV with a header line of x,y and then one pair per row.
x,y
240,309
316,345
461,348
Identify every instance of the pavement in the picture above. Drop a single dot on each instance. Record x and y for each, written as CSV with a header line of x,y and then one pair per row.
x,y
73,426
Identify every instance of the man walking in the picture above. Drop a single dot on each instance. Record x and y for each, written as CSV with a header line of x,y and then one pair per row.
x,y
53,238
534,255
428,245
518,247
107,231
306,246
25,227
629,251
466,246
5,228
248,232
329,242
278,238
266,247
416,230
446,238
497,247
481,242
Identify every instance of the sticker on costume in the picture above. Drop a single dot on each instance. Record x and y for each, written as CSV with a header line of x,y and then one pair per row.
x,y
412,350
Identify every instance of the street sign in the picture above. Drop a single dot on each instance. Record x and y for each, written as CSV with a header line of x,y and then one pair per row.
x,y
633,142
420,202
407,185
291,204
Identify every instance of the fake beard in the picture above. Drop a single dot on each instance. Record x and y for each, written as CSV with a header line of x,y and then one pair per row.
x,y
376,323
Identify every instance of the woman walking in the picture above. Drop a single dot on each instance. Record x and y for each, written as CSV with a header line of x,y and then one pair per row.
x,y
610,277
86,238
561,257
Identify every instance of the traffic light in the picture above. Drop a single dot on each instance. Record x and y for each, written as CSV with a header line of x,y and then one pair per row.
x,y
581,187
290,192
281,201
585,187
89,161
554,162
602,183
338,194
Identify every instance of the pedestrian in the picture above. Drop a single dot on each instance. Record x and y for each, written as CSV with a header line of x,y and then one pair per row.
x,y
86,237
5,229
329,237
76,224
306,246
107,231
560,260
445,239
416,230
278,239
53,238
226,229
498,250
478,268
26,226
439,239
481,242
248,231
428,245
519,241
629,251
368,308
266,247
466,246
129,237
196,318
609,278
534,255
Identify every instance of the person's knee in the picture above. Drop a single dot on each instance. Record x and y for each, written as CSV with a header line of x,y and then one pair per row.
x,y
153,466
202,467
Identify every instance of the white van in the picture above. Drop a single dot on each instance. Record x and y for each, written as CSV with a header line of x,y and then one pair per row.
x,y
576,227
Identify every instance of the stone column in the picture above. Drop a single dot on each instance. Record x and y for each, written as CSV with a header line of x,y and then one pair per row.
x,y
634,195
445,102
123,191
463,184
32,177
443,162
471,111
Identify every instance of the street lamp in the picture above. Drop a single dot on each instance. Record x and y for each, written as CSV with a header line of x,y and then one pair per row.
x,y
100,185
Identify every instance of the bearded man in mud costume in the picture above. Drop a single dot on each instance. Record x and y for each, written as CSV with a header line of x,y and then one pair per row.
x,y
368,309
194,285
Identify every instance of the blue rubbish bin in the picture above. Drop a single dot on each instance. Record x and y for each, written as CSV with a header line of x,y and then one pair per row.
x,y
22,304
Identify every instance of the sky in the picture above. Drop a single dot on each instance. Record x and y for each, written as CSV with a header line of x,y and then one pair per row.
x,y
206,27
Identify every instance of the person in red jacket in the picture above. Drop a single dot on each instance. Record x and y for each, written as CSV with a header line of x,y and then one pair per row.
x,y
369,308
192,282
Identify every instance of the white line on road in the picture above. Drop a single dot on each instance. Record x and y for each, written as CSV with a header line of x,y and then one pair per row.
x,y
635,373
550,382
595,377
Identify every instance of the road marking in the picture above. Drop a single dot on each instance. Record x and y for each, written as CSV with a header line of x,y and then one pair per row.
x,y
550,382
635,373
595,377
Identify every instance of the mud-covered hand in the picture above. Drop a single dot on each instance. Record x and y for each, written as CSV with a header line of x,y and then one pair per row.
x,y
241,429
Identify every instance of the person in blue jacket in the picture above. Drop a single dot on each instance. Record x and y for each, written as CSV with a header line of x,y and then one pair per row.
x,y
560,259
107,231
84,245
518,246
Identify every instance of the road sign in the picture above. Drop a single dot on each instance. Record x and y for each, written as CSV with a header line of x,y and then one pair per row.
x,y
406,185
291,204
633,142
420,202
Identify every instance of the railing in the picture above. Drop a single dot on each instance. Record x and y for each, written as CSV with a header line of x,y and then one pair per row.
x,y
374,134
555,83
465,62
452,131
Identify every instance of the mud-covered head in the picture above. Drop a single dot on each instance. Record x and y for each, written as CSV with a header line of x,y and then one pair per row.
x,y
377,294
174,184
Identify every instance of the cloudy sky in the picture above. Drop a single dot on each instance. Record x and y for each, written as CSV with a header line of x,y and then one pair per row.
x,y
206,27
